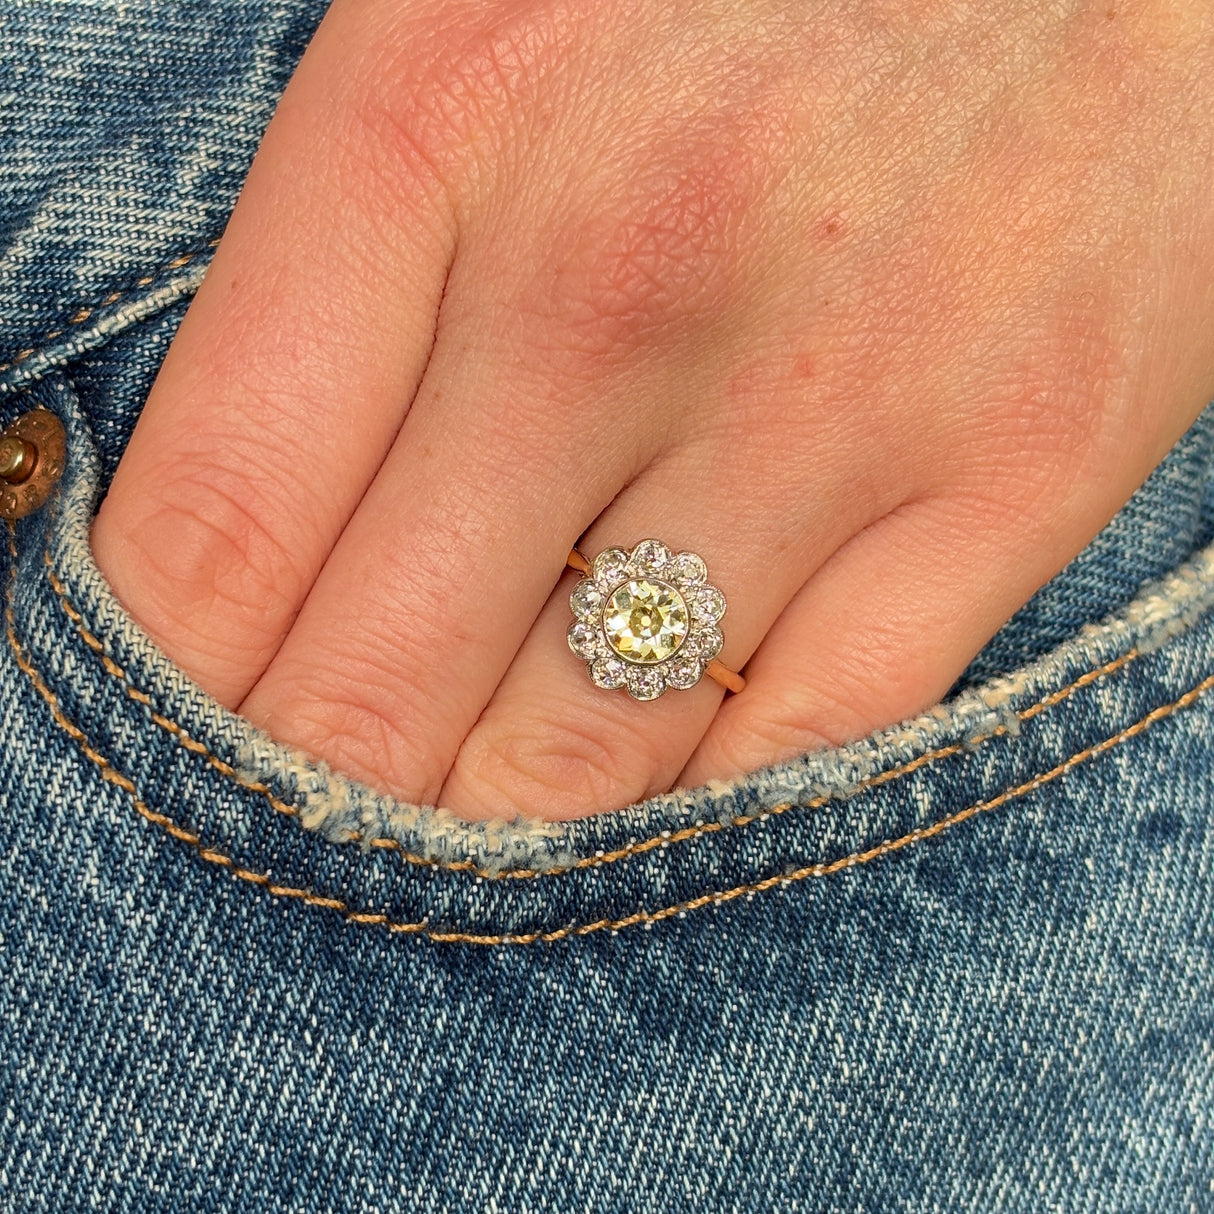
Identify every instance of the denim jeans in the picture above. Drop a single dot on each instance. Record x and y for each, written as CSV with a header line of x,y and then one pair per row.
x,y
962,964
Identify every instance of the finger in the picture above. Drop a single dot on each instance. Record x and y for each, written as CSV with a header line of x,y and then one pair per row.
x,y
882,631
551,743
288,378
442,570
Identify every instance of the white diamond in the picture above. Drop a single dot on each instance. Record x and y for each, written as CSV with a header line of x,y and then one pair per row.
x,y
707,604
645,684
650,557
584,639
683,672
708,642
586,600
687,569
610,568
609,673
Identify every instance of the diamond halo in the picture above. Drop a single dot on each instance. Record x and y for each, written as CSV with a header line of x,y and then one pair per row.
x,y
646,620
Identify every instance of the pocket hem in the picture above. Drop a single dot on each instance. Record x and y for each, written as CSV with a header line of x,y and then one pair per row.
x,y
367,918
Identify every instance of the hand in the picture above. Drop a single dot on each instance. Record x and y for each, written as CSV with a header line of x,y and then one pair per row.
x,y
883,309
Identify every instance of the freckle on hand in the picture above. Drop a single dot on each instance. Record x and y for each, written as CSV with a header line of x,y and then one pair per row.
x,y
830,227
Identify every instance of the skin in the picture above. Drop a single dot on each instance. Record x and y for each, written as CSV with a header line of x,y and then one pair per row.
x,y
884,308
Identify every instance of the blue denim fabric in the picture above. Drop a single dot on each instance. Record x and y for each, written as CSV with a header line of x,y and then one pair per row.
x,y
963,964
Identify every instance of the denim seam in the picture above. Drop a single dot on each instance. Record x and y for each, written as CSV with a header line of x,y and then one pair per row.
x,y
421,927
85,313
638,847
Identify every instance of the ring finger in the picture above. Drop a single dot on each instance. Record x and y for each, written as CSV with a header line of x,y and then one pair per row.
x,y
551,743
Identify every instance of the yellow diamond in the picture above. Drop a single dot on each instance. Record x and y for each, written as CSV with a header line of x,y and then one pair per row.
x,y
645,620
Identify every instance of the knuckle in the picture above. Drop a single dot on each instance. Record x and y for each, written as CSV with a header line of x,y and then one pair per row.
x,y
666,248
210,555
772,733
532,763
375,700
443,93
1053,421
408,152
357,735
664,251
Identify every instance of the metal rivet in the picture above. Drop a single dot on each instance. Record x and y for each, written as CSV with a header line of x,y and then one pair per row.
x,y
17,460
32,453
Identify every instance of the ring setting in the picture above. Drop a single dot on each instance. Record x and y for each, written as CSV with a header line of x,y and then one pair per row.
x,y
646,620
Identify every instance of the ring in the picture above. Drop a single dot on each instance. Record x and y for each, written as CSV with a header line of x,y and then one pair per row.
x,y
648,620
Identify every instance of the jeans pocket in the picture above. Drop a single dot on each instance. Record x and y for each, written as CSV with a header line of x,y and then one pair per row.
x,y
121,719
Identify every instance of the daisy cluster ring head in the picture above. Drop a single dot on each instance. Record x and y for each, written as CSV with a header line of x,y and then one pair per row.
x,y
646,620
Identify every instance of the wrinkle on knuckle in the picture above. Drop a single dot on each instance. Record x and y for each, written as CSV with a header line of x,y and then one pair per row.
x,y
1052,421
382,673
772,733
595,764
662,251
209,550
408,153
389,165
449,90
356,734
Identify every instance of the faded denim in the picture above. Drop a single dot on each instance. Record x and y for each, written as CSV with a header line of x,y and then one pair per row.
x,y
963,964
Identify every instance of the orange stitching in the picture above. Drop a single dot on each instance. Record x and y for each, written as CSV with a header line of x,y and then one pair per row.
x,y
716,898
83,314
637,847
191,744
